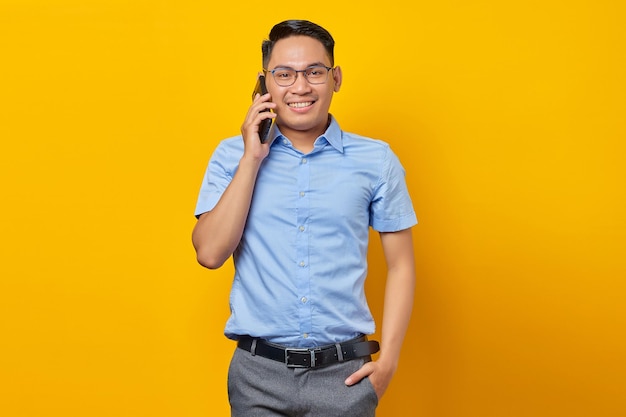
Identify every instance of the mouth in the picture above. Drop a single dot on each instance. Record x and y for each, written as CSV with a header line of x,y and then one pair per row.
x,y
301,105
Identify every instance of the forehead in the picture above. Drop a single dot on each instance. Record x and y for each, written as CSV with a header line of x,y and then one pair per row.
x,y
298,51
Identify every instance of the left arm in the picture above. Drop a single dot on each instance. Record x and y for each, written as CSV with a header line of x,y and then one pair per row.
x,y
398,251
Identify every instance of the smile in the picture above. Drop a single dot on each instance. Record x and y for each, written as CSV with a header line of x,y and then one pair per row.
x,y
301,105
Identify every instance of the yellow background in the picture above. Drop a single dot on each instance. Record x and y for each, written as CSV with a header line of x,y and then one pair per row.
x,y
508,116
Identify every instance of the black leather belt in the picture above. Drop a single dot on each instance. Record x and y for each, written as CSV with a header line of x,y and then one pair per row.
x,y
310,357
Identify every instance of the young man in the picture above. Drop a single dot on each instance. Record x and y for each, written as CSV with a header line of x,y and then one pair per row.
x,y
295,213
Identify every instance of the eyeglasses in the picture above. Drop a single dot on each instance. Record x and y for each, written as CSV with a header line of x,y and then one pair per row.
x,y
316,74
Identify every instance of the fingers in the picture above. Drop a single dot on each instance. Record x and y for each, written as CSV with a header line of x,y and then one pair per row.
x,y
378,377
257,112
364,371
261,103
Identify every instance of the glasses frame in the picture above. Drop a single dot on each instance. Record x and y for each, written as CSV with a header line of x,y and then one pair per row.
x,y
329,69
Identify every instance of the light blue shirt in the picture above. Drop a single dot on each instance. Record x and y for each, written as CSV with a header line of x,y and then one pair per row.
x,y
301,265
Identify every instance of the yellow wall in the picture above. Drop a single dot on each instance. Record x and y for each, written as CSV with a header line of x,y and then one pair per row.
x,y
509,118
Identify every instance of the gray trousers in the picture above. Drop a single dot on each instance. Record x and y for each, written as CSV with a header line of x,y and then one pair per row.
x,y
260,387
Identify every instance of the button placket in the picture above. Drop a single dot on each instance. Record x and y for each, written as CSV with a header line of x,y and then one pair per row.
x,y
302,246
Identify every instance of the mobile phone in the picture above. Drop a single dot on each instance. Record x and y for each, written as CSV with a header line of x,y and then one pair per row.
x,y
266,124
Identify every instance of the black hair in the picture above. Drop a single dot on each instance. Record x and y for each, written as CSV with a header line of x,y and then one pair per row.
x,y
298,28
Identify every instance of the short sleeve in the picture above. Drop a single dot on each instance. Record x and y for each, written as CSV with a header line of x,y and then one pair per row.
x,y
391,209
217,177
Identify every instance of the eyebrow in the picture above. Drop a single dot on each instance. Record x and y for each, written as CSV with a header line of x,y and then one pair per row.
x,y
315,64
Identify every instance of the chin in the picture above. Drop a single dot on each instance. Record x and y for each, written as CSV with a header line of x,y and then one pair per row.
x,y
303,125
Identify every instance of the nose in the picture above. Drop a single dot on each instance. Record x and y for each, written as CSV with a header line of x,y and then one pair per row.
x,y
301,85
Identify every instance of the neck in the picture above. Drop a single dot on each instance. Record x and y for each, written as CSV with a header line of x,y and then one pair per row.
x,y
304,140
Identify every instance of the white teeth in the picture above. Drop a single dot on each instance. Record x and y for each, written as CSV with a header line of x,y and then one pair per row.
x,y
299,105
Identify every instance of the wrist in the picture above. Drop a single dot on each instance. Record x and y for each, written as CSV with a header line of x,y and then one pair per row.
x,y
252,162
389,362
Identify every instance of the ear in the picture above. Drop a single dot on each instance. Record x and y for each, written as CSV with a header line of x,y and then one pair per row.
x,y
337,77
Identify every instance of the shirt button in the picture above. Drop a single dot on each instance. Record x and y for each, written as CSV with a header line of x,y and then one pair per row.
x,y
301,193
302,263
303,299
285,141
305,335
304,161
301,228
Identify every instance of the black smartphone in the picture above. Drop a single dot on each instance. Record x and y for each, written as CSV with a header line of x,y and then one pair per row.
x,y
264,128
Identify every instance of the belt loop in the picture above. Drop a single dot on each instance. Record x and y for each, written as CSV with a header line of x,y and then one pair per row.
x,y
253,347
339,352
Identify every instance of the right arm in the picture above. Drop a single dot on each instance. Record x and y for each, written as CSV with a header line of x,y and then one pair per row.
x,y
218,232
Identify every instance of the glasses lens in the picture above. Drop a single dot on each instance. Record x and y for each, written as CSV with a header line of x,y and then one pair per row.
x,y
316,75
287,76
284,77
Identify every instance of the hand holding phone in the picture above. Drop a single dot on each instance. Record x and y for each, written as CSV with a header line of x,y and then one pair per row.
x,y
266,124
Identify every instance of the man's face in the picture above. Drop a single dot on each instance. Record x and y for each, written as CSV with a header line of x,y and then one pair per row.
x,y
302,108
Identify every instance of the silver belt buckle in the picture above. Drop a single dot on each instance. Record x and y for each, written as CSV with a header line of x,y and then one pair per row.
x,y
300,350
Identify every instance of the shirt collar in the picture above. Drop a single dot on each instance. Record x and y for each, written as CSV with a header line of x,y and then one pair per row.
x,y
332,135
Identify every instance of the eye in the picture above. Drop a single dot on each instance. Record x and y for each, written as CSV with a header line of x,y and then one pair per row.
x,y
283,74
316,72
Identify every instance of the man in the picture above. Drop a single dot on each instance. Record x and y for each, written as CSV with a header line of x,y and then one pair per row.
x,y
295,213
